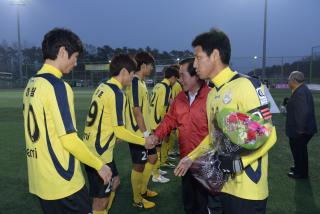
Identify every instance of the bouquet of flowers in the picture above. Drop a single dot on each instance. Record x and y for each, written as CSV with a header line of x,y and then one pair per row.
x,y
234,134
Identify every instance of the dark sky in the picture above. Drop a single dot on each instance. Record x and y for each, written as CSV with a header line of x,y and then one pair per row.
x,y
293,25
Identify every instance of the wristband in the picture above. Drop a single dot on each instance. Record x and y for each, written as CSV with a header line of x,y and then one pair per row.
x,y
146,134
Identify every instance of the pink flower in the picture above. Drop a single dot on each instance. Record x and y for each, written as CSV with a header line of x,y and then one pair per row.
x,y
254,126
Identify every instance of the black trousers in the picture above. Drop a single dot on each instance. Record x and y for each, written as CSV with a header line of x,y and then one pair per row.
x,y
234,205
195,196
299,150
77,203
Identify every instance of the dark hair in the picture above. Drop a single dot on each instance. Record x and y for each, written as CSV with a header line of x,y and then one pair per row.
x,y
171,71
121,61
191,70
214,39
144,58
177,66
57,38
187,60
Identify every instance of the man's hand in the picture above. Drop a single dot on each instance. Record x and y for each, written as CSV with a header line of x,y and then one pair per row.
x,y
149,142
230,164
183,166
105,173
155,139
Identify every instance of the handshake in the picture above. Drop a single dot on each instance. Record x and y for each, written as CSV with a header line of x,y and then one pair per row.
x,y
151,141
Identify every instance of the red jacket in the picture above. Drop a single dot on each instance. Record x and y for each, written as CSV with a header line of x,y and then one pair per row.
x,y
191,121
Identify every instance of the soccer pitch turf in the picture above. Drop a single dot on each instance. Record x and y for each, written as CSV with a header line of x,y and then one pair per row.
x,y
286,195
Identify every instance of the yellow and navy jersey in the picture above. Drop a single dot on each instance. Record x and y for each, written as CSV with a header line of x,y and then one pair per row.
x,y
106,111
243,94
176,88
137,96
159,102
48,111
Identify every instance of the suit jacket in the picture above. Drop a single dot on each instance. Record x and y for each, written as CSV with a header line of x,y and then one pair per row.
x,y
301,118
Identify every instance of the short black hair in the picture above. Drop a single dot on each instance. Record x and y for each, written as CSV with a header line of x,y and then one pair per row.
x,y
191,70
171,71
187,60
57,38
214,39
144,58
121,61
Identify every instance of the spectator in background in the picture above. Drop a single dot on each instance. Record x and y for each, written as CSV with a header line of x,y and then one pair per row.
x,y
300,124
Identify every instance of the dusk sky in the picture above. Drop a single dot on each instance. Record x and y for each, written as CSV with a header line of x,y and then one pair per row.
x,y
293,25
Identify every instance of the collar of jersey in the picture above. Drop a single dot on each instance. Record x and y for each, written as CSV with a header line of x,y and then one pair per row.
x,y
138,77
224,76
46,68
115,82
166,81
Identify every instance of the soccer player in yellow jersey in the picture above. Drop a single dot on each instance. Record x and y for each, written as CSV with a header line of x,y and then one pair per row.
x,y
105,123
159,105
137,118
53,149
246,191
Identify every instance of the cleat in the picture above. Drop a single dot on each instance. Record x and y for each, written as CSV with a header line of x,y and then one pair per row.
x,y
162,172
149,194
171,153
160,179
171,158
168,164
144,204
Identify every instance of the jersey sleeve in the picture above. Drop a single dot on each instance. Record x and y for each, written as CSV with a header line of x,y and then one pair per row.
x,y
254,96
61,108
117,104
135,93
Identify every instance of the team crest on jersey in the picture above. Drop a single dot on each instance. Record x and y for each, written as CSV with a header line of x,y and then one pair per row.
x,y
262,97
227,98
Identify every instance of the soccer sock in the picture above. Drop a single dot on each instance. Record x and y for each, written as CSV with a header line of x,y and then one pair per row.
x,y
171,141
111,197
146,176
99,212
136,180
164,152
156,166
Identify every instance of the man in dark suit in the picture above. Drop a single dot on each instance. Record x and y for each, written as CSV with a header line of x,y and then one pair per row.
x,y
300,124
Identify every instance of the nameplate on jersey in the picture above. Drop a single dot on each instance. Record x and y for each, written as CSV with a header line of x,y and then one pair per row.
x,y
262,97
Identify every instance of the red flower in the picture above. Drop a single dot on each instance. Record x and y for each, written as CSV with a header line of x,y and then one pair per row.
x,y
242,117
251,135
232,118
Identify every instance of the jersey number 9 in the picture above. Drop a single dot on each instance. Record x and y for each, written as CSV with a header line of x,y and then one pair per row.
x,y
92,114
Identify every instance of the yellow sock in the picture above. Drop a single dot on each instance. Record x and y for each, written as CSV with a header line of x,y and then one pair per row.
x,y
111,197
156,166
99,212
136,180
146,176
171,141
164,152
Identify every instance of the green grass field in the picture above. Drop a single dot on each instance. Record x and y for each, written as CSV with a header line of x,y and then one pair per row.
x,y
286,195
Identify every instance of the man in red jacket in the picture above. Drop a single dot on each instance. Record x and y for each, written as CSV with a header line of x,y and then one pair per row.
x,y
188,114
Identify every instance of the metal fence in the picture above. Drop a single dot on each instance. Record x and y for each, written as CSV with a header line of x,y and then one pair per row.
x,y
277,70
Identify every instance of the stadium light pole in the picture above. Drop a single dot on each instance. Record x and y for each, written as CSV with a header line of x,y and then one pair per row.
x,y
255,58
264,51
18,4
